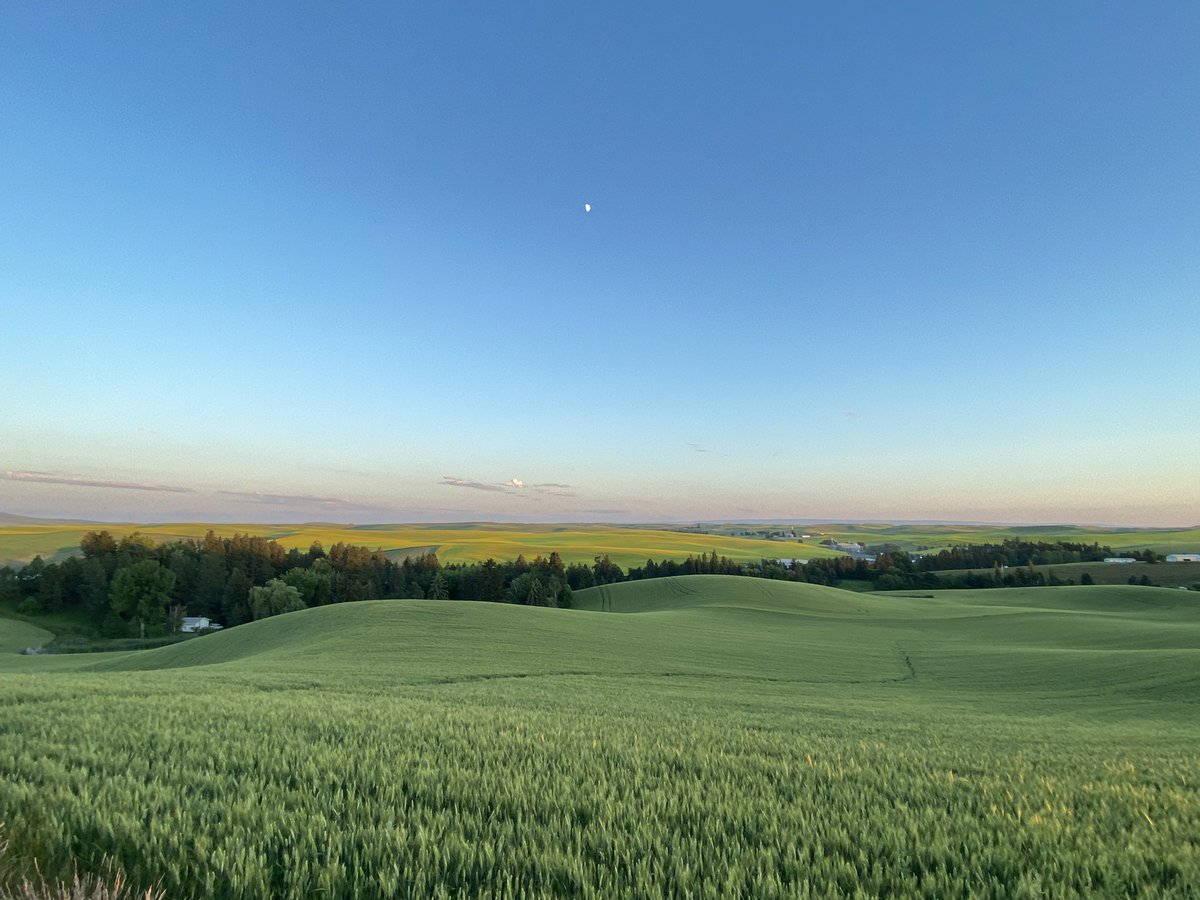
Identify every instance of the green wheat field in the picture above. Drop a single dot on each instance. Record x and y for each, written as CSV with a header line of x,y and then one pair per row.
x,y
704,736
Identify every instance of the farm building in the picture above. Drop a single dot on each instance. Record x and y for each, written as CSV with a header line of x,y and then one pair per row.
x,y
848,547
1183,557
192,624
1119,559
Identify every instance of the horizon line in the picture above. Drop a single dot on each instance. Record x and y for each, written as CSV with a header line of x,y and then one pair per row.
x,y
968,523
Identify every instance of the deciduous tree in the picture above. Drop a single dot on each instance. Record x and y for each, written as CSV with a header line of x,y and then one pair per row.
x,y
273,598
142,592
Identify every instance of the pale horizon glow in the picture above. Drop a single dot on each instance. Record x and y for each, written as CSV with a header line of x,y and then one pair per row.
x,y
268,264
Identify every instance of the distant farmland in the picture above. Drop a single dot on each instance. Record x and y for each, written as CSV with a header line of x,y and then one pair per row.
x,y
453,543
937,537
626,545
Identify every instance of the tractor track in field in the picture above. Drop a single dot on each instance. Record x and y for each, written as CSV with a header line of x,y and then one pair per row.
x,y
719,676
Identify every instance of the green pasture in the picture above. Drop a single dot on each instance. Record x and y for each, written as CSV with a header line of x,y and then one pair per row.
x,y
16,635
704,736
453,543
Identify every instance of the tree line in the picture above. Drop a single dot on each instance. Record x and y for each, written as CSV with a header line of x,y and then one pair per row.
x,y
1017,552
135,585
124,586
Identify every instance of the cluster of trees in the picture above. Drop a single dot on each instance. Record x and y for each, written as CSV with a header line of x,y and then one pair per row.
x,y
134,584
1011,564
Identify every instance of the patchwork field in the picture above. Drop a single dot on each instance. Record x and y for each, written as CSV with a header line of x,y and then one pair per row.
x,y
627,545
701,736
454,543
937,537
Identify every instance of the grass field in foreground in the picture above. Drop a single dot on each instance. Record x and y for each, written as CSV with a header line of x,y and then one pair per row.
x,y
710,736
454,543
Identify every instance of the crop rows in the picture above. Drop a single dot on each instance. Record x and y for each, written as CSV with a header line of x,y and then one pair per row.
x,y
577,787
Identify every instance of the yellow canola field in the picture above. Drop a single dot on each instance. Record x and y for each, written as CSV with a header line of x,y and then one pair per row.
x,y
455,543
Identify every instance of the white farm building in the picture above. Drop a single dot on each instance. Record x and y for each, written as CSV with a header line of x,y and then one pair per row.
x,y
1183,557
1119,559
192,624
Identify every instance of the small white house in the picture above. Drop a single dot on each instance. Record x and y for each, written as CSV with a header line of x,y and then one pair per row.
x,y
192,624
1183,557
1119,559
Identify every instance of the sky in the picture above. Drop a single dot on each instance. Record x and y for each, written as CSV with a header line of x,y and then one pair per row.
x,y
310,261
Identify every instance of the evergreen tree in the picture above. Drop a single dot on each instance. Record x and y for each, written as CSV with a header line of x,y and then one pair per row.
x,y
235,600
211,578
492,582
50,589
93,588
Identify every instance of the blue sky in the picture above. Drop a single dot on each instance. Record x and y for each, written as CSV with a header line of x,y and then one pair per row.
x,y
291,262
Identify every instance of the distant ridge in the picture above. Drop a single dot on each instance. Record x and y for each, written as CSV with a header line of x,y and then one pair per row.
x,y
11,519
851,524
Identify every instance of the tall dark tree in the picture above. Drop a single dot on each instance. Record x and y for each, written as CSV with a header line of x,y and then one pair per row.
x,y
235,602
607,571
141,592
50,592
10,589
97,544
28,577
209,594
491,587
93,588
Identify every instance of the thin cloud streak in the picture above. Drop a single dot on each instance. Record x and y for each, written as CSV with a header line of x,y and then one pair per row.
x,y
474,485
261,497
513,487
552,489
77,481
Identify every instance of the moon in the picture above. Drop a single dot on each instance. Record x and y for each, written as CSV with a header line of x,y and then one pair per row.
x,y
587,207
